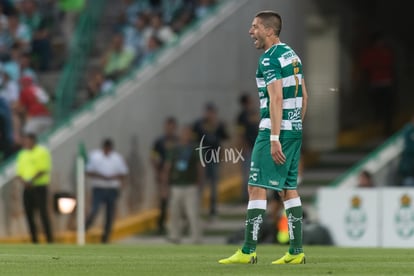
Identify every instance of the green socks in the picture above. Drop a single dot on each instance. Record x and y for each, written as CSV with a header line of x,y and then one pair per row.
x,y
294,214
254,219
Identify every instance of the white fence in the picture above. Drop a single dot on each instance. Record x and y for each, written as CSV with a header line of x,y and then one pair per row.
x,y
368,217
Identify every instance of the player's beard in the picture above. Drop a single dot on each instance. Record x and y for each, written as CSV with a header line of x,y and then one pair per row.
x,y
259,43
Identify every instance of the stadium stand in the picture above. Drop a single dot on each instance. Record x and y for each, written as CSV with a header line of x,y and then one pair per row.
x,y
30,46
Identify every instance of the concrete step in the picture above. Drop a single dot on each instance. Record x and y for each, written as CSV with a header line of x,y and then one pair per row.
x,y
323,175
341,160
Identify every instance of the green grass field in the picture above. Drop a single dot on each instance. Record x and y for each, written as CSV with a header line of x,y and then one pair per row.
x,y
195,260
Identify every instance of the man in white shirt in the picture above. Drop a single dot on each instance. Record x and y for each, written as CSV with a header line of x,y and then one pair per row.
x,y
106,170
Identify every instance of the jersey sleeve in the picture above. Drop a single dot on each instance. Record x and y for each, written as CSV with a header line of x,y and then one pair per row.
x,y
271,69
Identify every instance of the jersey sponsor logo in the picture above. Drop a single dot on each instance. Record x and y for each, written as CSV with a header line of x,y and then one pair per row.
x,y
294,114
266,61
270,77
253,177
289,55
287,60
297,126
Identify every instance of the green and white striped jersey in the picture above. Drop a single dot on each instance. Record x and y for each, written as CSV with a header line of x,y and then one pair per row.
x,y
281,62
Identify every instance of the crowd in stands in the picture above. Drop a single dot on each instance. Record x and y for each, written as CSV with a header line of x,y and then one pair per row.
x,y
27,30
142,28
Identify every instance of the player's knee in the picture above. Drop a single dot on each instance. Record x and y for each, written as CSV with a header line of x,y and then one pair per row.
x,y
289,194
257,193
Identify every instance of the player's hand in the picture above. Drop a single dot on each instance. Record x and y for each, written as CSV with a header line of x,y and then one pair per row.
x,y
277,153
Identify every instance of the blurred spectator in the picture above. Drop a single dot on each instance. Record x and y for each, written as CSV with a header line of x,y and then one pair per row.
x,y
406,168
33,170
365,180
9,90
183,19
377,61
39,27
160,30
106,170
6,130
247,129
203,8
97,84
5,42
134,35
19,32
118,58
11,63
132,8
25,63
33,107
170,9
184,173
161,147
142,28
210,133
3,16
151,49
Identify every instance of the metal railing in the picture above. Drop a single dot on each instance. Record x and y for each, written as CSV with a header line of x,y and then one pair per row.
x,y
74,68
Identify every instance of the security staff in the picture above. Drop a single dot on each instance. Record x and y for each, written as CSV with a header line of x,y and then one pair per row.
x,y
33,171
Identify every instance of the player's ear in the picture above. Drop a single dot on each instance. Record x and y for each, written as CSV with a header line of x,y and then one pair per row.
x,y
269,31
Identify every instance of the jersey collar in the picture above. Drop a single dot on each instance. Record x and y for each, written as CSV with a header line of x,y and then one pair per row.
x,y
274,45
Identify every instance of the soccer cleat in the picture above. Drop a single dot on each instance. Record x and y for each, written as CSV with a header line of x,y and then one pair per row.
x,y
291,259
240,258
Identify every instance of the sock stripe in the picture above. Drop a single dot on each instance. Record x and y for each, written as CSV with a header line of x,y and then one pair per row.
x,y
257,204
294,202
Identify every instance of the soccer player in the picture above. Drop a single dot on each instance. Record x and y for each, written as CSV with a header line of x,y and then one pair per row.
x,y
276,153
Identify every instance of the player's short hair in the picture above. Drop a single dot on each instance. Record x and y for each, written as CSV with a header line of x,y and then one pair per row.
x,y
30,135
366,174
108,143
271,19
